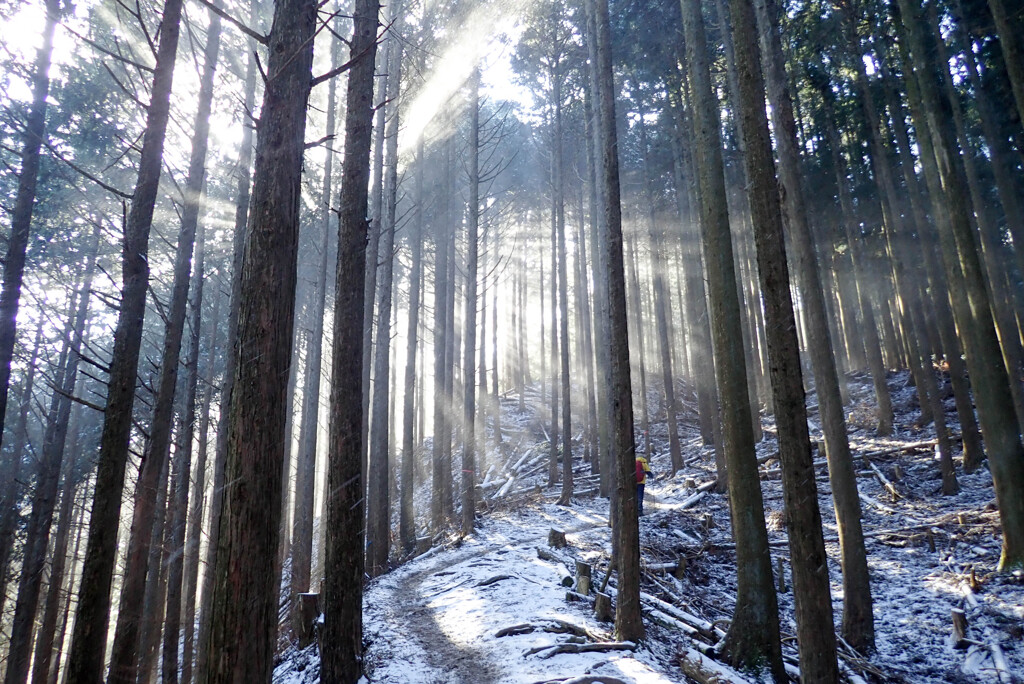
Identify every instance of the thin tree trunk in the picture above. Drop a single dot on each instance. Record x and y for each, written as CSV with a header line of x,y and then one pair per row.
x,y
469,321
47,481
378,529
126,636
183,467
195,516
24,203
342,644
88,643
628,625
407,522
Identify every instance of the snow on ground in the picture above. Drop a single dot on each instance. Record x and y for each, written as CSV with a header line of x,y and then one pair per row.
x,y
435,619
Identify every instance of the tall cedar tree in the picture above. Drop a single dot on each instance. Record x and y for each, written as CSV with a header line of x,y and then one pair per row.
x,y
245,591
378,525
858,621
89,639
24,203
469,341
753,637
628,625
811,589
342,644
302,533
243,188
971,305
124,657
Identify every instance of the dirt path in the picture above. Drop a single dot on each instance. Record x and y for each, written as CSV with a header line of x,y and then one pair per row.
x,y
404,613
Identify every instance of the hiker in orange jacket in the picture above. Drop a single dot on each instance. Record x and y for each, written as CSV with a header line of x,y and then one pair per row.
x,y
642,471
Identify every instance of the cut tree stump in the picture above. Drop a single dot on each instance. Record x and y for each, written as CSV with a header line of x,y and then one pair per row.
x,y
583,577
309,611
556,538
959,629
603,607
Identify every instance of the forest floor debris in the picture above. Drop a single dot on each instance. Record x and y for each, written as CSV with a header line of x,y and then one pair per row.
x,y
489,609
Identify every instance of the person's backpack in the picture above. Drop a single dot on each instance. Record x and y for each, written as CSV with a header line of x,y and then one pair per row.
x,y
639,471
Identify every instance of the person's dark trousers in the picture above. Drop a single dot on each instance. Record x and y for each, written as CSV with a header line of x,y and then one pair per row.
x,y
640,498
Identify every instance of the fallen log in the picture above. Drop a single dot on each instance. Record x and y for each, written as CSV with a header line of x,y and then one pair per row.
x,y
705,670
600,647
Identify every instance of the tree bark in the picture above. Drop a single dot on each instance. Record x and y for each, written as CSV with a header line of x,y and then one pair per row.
x,y
858,621
753,636
469,320
245,586
342,645
47,481
88,642
123,658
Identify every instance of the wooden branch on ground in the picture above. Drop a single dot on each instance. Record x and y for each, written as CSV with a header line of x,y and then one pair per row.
x,y
885,483
585,679
545,652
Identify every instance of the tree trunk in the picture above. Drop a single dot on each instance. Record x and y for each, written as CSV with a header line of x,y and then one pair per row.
x,y
88,643
407,522
628,625
183,467
342,644
245,586
123,657
47,480
195,516
378,501
971,306
302,532
858,621
753,636
469,321
815,631
24,203
227,386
